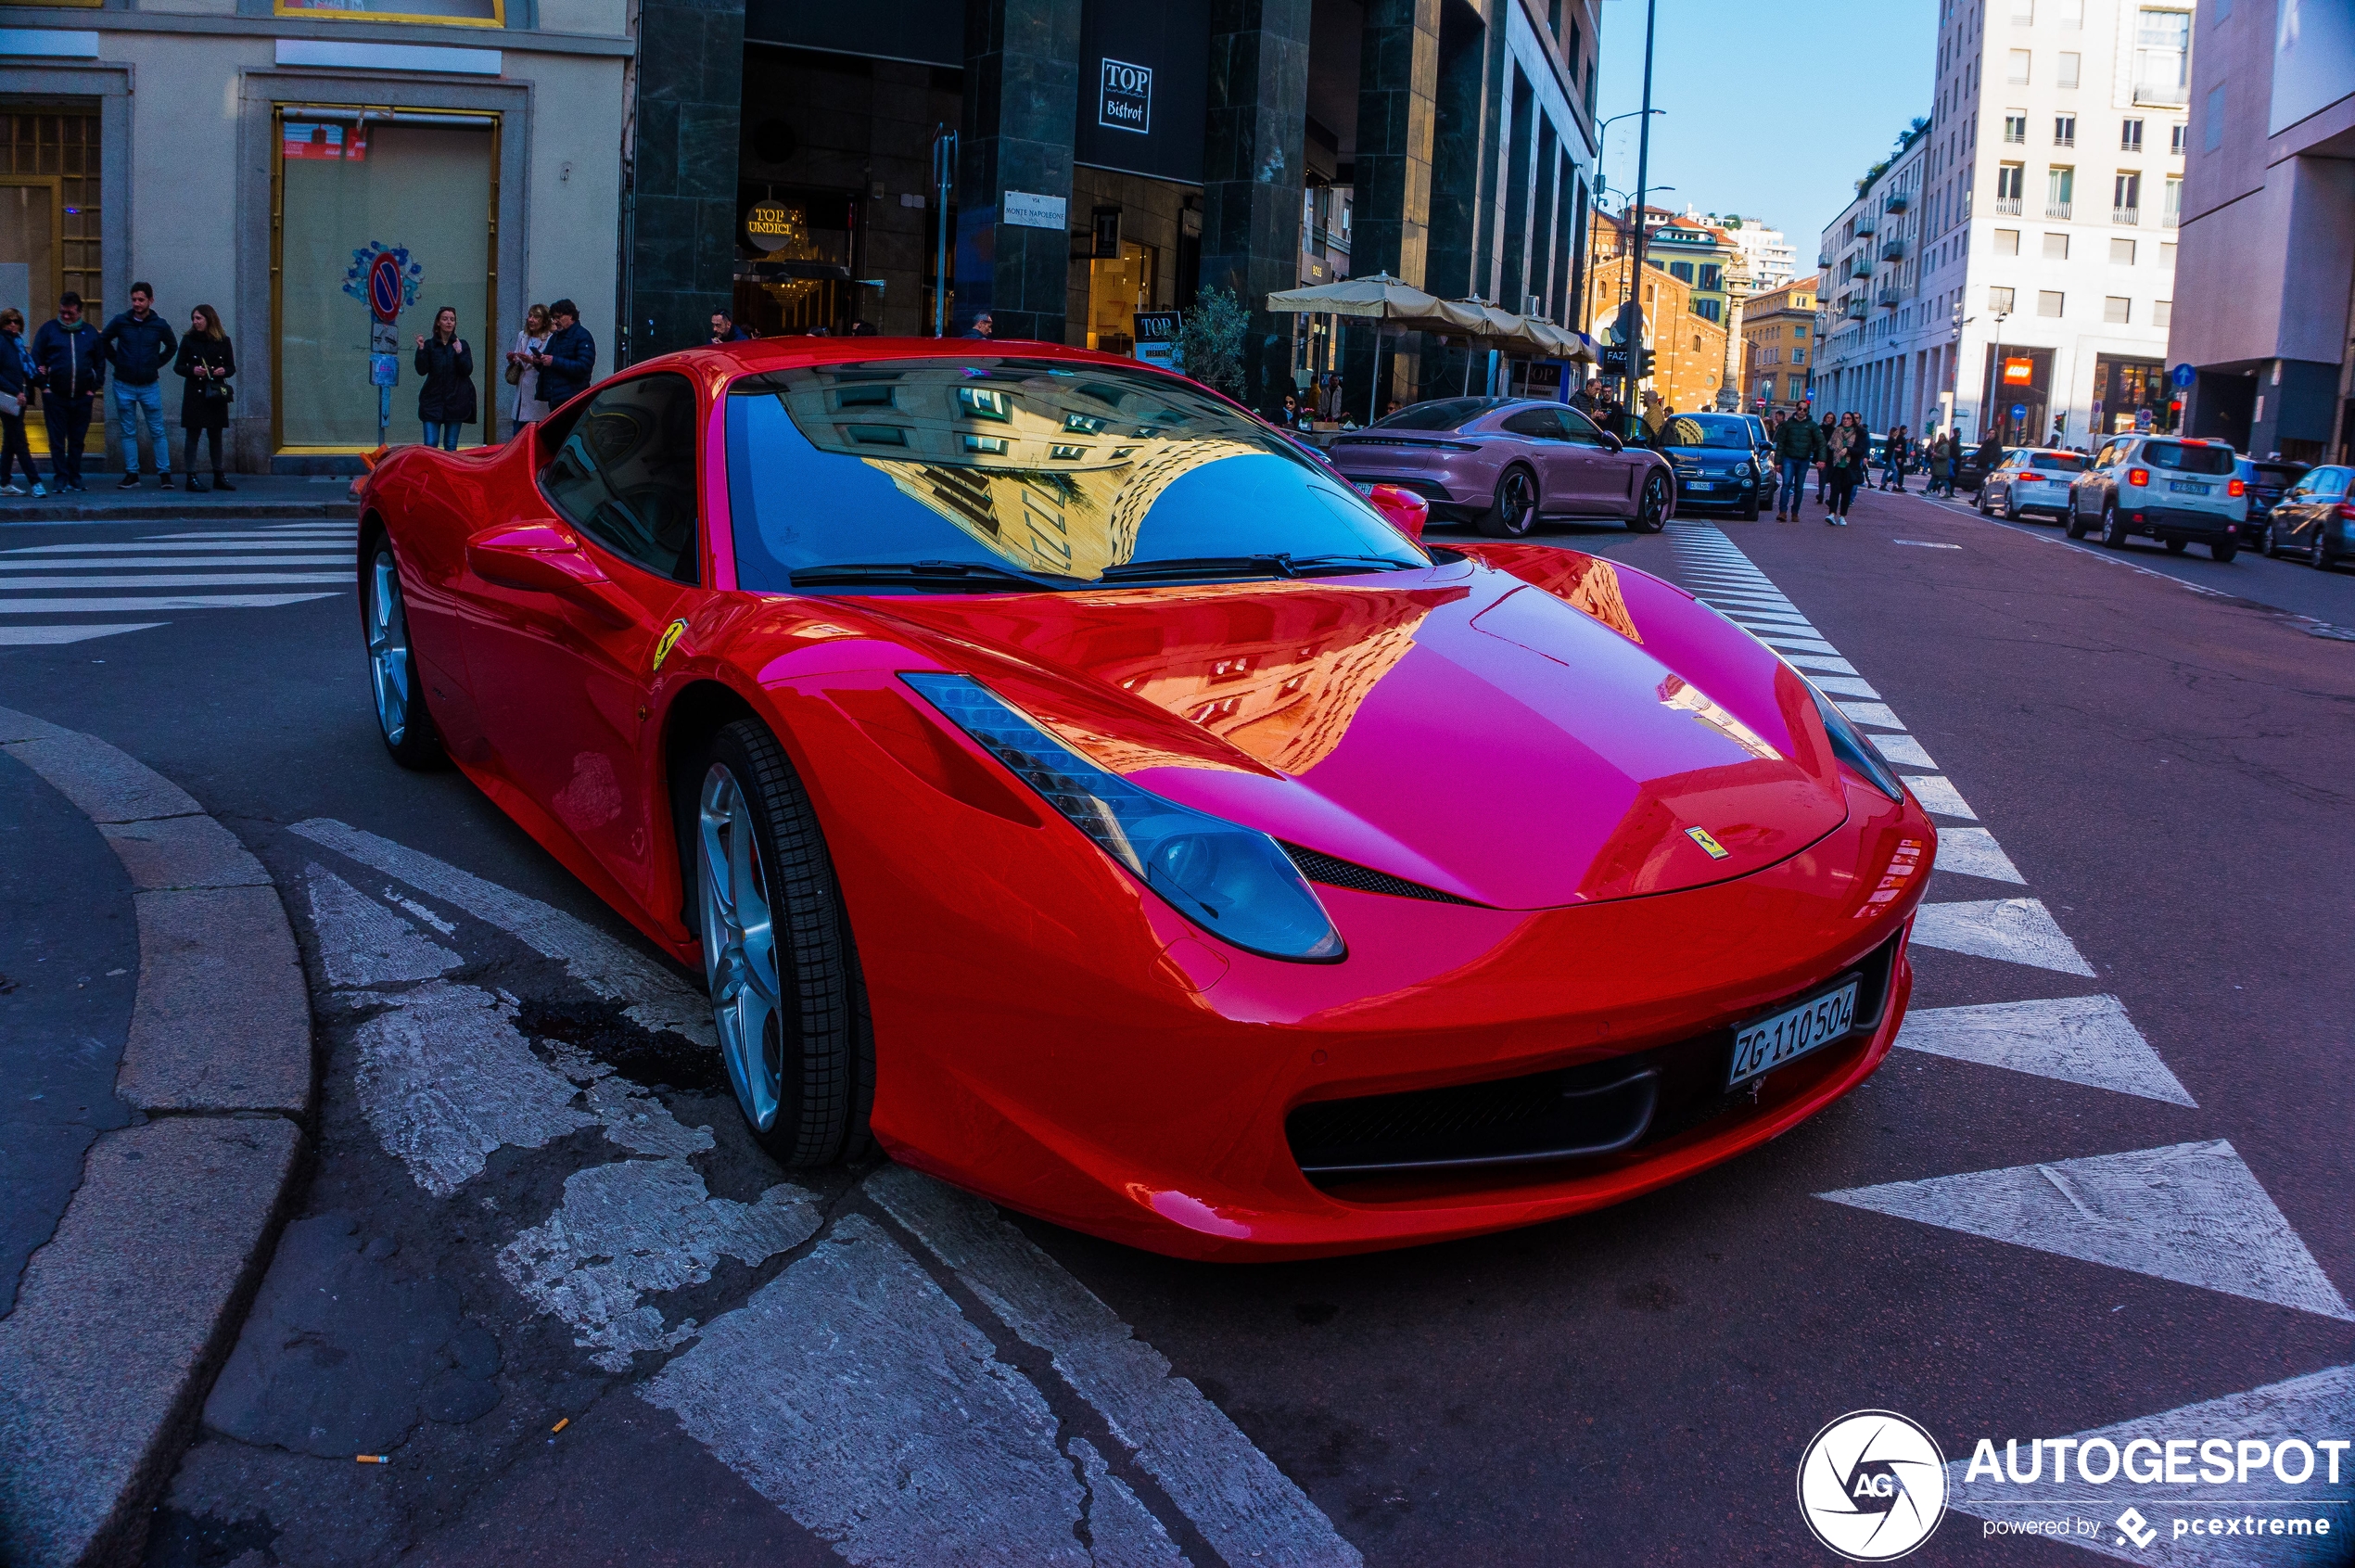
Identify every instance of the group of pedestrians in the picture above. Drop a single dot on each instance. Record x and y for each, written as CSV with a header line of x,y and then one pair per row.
x,y
552,358
1839,451
64,368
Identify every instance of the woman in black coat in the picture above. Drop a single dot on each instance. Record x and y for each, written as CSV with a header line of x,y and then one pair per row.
x,y
205,364
447,399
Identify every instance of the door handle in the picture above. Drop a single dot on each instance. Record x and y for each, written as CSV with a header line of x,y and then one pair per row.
x,y
541,560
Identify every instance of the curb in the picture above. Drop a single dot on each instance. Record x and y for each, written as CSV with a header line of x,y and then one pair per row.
x,y
173,511
126,1312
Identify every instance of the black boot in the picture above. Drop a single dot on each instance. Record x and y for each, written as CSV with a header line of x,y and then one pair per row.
x,y
220,480
196,485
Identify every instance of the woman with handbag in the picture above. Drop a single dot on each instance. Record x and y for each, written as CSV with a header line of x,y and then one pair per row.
x,y
16,396
523,368
205,362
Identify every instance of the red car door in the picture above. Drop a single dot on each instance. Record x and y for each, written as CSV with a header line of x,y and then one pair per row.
x,y
575,595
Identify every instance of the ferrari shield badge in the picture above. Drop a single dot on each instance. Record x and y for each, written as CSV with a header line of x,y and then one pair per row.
x,y
1700,835
678,629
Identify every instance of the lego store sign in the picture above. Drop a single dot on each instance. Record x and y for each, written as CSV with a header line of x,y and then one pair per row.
x,y
2019,371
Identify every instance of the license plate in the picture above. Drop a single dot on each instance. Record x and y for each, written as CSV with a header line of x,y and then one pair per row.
x,y
1762,1046
2185,487
1700,484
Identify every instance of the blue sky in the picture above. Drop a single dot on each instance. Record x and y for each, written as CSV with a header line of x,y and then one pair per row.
x,y
1773,108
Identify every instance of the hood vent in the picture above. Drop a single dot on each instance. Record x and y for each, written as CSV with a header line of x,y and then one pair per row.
x,y
1365,879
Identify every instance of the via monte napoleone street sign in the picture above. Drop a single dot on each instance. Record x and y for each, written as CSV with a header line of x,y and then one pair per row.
x,y
1025,211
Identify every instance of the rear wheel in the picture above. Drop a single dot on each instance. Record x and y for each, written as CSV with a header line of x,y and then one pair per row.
x,y
2076,521
1514,513
2113,525
401,717
2176,546
2222,551
1651,506
787,997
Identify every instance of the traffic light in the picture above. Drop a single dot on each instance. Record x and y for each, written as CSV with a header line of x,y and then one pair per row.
x,y
1644,364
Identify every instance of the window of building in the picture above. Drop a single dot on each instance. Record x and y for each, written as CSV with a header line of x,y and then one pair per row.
x,y
2063,129
448,13
2176,136
2016,126
2126,197
1553,17
2056,247
2060,187
1800,329
2167,256
2023,13
1713,276
2016,72
2122,252
2130,136
2011,182
2117,309
1999,300
624,472
2162,312
2211,129
1798,356
1577,48
2066,72
1681,271
2048,301
1590,85
344,185
2163,58
2006,242
2069,13
2173,213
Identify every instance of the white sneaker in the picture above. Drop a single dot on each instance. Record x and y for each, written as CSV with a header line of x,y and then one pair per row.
x,y
12,489
40,489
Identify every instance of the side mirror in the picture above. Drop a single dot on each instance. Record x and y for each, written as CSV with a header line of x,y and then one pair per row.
x,y
1613,441
1407,511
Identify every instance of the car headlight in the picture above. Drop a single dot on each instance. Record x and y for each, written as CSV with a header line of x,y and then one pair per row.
x,y
1234,882
1852,746
1743,470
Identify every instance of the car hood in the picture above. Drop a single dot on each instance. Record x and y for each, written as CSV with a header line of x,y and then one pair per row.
x,y
1520,726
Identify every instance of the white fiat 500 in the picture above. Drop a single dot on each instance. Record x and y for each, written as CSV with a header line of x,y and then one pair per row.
x,y
2167,488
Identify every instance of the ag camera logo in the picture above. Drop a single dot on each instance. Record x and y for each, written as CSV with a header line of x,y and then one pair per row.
x,y
1872,1486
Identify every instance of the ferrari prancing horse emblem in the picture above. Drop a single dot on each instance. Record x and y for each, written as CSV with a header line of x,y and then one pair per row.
x,y
670,635
1700,835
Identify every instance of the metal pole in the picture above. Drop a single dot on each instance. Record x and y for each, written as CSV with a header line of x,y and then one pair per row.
x,y
944,180
2001,317
1643,174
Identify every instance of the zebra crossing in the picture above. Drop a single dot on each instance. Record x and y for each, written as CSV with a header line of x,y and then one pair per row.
x,y
52,595
2192,1213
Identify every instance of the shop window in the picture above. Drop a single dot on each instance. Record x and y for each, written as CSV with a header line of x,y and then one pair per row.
x,y
349,189
450,13
50,226
1117,289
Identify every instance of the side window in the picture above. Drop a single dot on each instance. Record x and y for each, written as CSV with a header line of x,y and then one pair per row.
x,y
2331,482
1538,424
1577,428
624,474
2101,458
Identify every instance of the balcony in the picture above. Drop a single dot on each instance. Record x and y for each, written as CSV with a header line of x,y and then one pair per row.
x,y
2126,217
1890,296
2162,95
2170,220
1822,262
1895,202
1866,226
1893,249
2065,141
2007,206
2056,209
1856,309
1861,266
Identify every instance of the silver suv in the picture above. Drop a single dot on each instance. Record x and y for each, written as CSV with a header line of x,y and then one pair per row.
x,y
2166,488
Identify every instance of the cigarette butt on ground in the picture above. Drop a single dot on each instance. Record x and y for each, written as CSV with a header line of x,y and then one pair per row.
x,y
373,1458
562,1424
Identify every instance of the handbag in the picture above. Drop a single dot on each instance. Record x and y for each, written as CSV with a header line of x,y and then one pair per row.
x,y
515,374
11,404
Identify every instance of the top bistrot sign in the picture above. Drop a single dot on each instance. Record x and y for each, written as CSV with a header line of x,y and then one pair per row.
x,y
1124,97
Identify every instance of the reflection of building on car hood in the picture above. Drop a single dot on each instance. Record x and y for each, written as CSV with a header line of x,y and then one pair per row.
x,y
1053,473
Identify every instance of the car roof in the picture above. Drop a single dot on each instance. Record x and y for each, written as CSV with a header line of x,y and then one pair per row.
x,y
729,362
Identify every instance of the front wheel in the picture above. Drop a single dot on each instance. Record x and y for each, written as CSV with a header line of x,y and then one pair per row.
x,y
2269,544
2316,555
787,997
1651,506
401,717
2011,507
1514,513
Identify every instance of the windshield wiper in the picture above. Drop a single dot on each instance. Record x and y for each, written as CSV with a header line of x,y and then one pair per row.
x,y
926,574
1282,564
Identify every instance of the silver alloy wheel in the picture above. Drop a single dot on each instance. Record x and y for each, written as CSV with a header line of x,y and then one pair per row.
x,y
388,666
1516,501
739,946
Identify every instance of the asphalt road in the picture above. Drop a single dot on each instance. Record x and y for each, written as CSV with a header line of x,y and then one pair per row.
x,y
515,1214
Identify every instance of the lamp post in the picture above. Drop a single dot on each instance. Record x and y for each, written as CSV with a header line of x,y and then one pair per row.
x,y
1603,185
2001,317
1643,172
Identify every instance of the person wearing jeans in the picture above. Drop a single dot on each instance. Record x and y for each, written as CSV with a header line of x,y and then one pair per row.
x,y
139,344
1798,444
447,399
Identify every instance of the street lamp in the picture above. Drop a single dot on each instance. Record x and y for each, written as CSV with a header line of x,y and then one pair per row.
x,y
2001,317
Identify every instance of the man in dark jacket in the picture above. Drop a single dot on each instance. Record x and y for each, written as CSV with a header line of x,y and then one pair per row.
x,y
139,344
569,357
1796,446
65,363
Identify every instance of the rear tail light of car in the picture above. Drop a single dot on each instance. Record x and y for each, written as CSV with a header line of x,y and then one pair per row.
x,y
2237,487
2024,477
2346,510
2138,476
1234,882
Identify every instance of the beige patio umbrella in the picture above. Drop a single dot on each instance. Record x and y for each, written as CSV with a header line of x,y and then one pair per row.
x,y
1386,299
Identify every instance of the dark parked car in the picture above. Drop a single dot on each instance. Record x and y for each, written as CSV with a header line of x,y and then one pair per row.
x,y
2266,481
1505,463
2315,517
1969,473
2032,479
1721,461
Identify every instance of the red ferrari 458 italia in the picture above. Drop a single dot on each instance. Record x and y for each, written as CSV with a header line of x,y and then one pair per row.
x,y
1072,788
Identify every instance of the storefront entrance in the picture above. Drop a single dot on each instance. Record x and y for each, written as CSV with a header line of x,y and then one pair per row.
x,y
419,187
1117,289
2018,392
2131,395
796,254
50,229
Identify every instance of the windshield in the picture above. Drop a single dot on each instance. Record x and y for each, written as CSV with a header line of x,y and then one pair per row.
x,y
2185,458
2275,476
2059,462
1009,475
1447,413
1706,430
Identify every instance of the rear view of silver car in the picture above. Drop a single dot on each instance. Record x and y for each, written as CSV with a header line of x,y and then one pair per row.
x,y
2176,491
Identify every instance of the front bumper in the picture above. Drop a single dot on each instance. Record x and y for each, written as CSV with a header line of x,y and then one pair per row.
x,y
1722,490
1072,1048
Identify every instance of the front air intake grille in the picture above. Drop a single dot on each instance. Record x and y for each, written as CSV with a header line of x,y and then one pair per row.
x,y
1365,879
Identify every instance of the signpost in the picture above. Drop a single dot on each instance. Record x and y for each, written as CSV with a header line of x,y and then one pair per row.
x,y
386,279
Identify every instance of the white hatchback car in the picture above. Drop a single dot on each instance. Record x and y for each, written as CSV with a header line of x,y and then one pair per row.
x,y
2167,488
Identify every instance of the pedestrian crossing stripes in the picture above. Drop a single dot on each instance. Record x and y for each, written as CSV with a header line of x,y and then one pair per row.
x,y
45,590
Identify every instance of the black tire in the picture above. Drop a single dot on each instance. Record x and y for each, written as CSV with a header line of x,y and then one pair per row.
x,y
403,721
1514,512
2317,554
1983,502
2076,521
2223,550
2011,506
2177,546
2113,527
1750,512
820,1052
2269,544
1651,505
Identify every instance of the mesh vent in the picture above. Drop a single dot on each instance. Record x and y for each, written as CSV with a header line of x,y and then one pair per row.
x,y
1365,879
